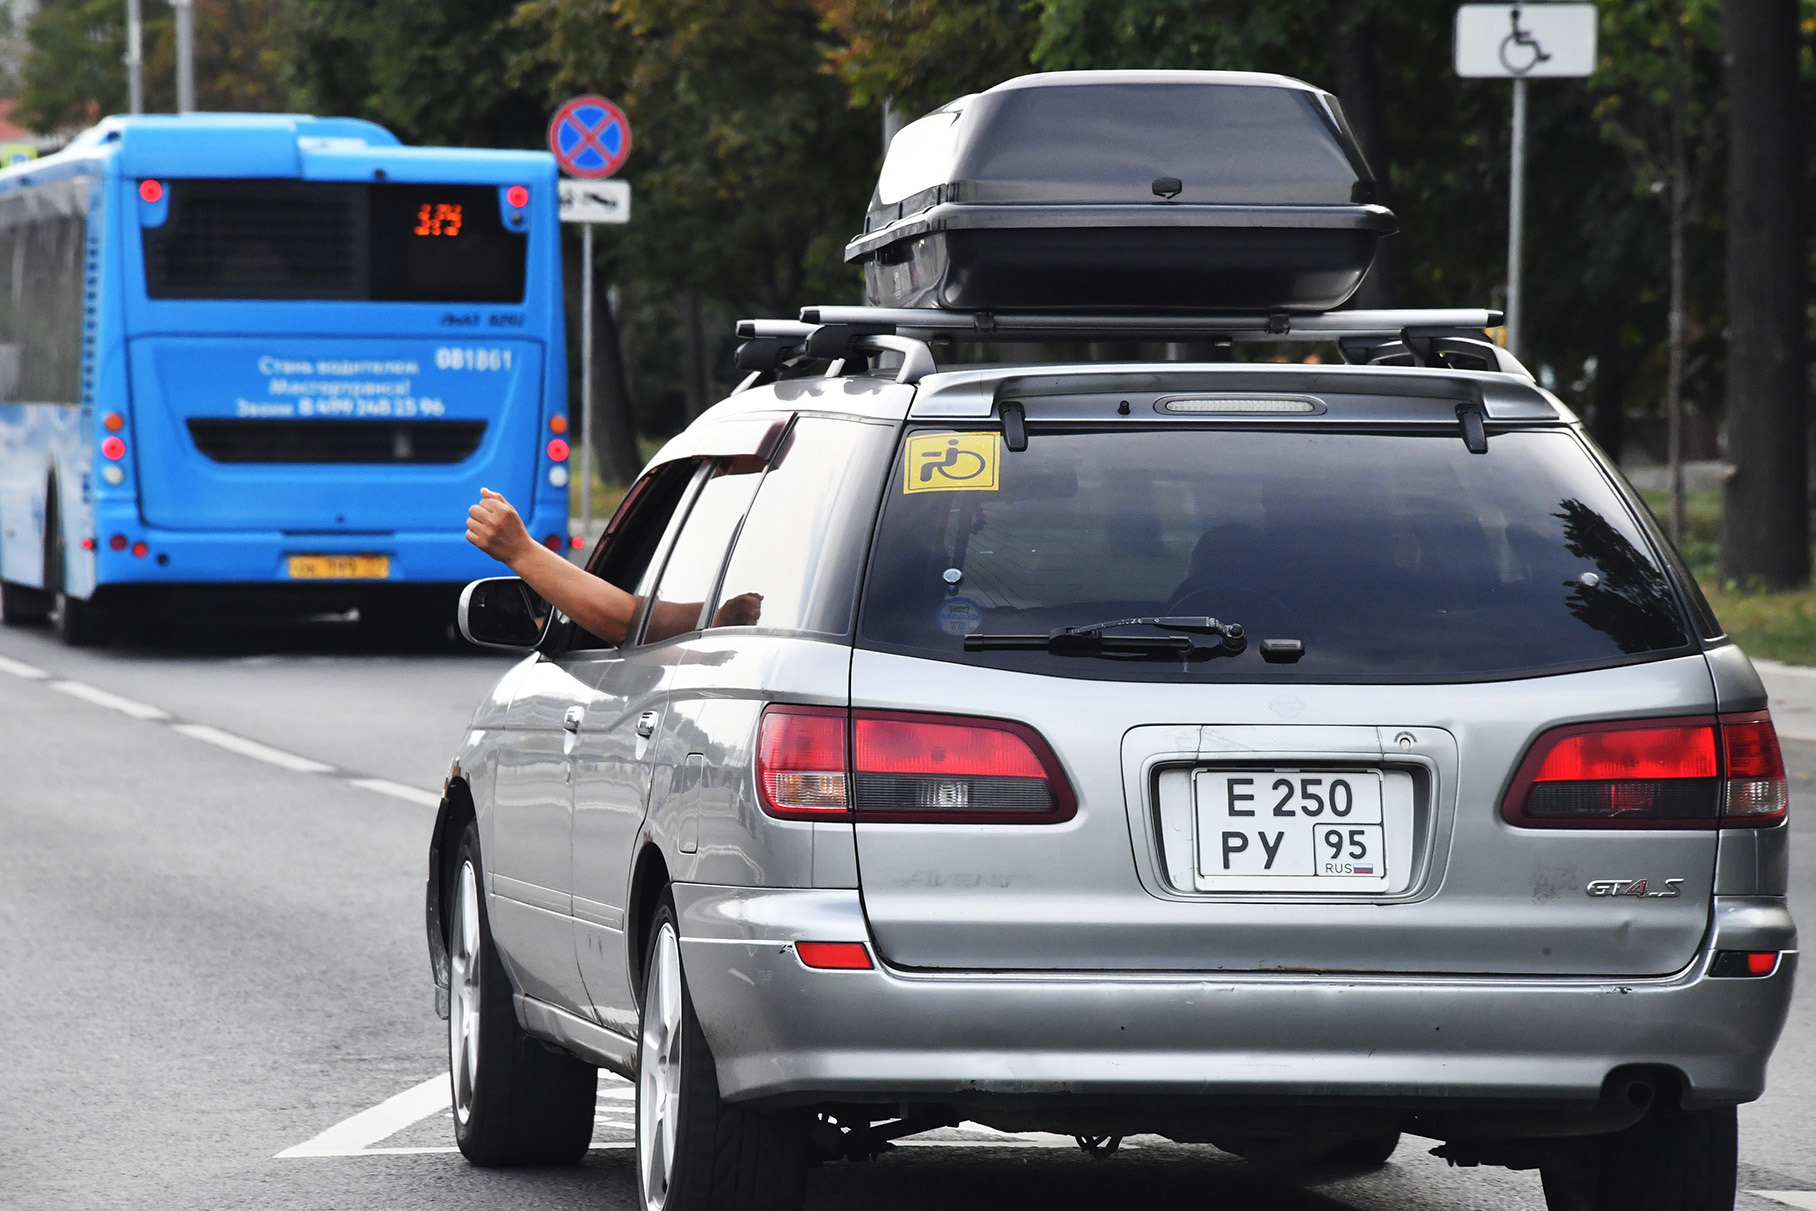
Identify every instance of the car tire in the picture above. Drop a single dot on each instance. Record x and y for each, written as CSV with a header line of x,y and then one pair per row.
x,y
516,1102
694,1151
21,605
1364,1152
1669,1161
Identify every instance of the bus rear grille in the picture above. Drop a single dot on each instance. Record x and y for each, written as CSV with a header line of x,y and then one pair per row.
x,y
337,441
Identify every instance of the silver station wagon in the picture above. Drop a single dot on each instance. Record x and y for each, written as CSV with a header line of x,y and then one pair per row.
x,y
1282,757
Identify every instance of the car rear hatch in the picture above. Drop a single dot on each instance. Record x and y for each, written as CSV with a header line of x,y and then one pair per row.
x,y
330,434
1336,808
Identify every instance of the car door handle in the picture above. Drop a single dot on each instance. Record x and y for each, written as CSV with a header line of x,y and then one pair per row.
x,y
571,720
646,724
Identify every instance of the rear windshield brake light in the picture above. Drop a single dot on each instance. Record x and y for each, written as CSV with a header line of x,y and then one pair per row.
x,y
903,767
1697,772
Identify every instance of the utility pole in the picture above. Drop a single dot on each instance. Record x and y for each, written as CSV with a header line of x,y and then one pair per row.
x,y
135,55
185,12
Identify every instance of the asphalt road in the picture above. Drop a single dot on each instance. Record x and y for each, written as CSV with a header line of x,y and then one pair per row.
x,y
211,864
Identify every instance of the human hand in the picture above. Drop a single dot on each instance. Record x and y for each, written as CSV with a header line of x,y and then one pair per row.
x,y
740,611
495,528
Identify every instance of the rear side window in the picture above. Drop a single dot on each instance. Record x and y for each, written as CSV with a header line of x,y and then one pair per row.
x,y
801,548
1390,557
699,554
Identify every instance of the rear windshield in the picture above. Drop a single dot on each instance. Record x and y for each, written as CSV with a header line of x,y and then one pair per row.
x,y
228,239
1389,557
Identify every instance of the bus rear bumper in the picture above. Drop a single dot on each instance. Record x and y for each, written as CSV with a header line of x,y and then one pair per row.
x,y
263,559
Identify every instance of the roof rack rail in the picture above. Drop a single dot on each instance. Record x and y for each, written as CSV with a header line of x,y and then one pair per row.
x,y
1445,338
1278,325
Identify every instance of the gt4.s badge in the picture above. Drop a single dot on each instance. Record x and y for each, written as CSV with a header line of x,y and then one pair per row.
x,y
1634,887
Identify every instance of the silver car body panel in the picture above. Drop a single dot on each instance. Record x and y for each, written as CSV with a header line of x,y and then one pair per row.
x,y
780,1031
1094,893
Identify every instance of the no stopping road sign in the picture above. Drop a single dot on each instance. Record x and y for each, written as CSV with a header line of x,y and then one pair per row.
x,y
590,137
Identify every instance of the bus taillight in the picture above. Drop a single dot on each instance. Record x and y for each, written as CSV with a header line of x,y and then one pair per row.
x,y
517,196
151,191
558,449
113,448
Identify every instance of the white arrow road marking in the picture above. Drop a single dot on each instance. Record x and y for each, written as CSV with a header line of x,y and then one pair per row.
x,y
614,1126
398,790
113,702
361,1134
355,1135
1803,1199
18,668
251,748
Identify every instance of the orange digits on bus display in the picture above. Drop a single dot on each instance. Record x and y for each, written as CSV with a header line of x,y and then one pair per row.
x,y
438,218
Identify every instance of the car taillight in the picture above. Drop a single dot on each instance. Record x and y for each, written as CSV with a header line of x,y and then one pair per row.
x,y
1652,773
927,768
1756,791
898,767
801,762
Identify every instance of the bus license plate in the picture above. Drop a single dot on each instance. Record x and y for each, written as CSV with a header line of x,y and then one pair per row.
x,y
1290,830
340,567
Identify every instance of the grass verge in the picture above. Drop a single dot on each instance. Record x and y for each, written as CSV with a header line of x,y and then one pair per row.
x,y
1775,626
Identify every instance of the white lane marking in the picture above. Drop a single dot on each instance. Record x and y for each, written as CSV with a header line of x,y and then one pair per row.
x,y
398,790
251,748
365,1132
18,668
352,1136
1803,1199
113,702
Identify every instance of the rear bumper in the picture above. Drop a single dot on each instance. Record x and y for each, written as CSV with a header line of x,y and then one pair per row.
x,y
441,556
783,1033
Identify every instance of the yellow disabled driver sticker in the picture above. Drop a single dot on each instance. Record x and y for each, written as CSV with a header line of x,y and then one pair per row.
x,y
952,462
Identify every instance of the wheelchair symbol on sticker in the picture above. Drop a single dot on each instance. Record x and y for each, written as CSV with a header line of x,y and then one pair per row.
x,y
952,462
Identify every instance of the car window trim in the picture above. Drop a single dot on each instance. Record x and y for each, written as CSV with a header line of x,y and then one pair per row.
x,y
704,472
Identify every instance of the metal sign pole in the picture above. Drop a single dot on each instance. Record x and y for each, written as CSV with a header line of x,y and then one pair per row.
x,y
1516,215
185,12
586,380
135,56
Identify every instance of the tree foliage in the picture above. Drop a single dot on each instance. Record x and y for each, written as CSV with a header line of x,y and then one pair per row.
x,y
74,48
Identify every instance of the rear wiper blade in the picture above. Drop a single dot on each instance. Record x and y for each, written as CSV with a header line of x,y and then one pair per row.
x,y
1094,639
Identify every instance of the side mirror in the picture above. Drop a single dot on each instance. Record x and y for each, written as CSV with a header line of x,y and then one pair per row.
x,y
503,612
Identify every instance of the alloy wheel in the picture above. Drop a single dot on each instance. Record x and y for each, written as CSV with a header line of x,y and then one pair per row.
x,y
659,1071
463,1007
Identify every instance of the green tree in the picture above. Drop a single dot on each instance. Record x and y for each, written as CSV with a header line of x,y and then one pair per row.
x,y
447,73
73,74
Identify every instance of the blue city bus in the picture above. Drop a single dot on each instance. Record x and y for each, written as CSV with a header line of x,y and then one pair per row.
x,y
267,361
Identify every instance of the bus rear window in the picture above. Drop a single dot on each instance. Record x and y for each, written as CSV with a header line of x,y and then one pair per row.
x,y
332,240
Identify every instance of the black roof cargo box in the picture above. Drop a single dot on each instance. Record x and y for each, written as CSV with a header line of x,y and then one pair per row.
x,y
1124,190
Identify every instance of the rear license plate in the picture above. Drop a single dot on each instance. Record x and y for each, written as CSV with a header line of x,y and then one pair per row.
x,y
1289,830
340,567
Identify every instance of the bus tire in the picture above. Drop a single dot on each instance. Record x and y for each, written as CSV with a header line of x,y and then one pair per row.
x,y
516,1102
78,623
22,605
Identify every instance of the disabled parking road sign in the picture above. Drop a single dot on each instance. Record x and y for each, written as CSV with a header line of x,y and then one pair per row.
x,y
590,137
